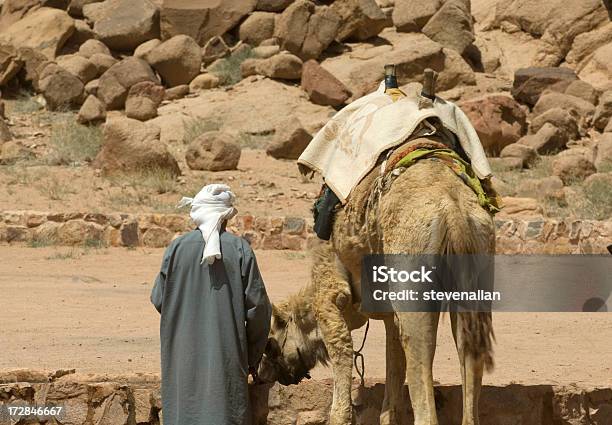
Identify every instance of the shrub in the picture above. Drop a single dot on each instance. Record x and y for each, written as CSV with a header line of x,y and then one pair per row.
x,y
72,142
228,69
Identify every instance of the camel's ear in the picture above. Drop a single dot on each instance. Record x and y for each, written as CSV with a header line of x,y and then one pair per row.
x,y
279,317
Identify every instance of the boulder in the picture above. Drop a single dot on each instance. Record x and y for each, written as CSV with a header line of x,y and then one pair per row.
x,y
259,26
177,60
583,110
498,120
10,63
585,44
411,16
556,31
117,81
204,82
82,33
12,11
202,20
359,19
322,87
13,151
33,62
524,207
452,25
527,154
124,24
264,52
213,151
143,100
177,92
60,88
92,111
102,62
214,49
272,5
603,158
145,48
92,47
548,140
306,30
529,83
572,166
603,113
284,66
598,70
45,30
130,145
290,140
363,70
566,121
509,163
79,66
584,91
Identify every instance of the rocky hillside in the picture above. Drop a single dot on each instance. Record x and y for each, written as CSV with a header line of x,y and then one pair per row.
x,y
184,85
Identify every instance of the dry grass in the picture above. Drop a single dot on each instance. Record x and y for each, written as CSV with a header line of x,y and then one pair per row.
x,y
25,103
73,143
54,188
195,127
228,69
597,202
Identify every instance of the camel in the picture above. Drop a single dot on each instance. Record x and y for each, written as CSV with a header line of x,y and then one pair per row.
x,y
427,209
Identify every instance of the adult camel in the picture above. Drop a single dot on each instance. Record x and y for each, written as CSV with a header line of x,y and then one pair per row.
x,y
426,209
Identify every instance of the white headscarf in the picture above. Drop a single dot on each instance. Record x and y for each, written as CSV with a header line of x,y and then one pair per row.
x,y
209,209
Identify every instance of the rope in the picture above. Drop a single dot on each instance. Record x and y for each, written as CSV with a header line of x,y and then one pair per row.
x,y
357,356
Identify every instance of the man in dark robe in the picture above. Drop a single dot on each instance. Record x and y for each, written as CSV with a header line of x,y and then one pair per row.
x,y
215,319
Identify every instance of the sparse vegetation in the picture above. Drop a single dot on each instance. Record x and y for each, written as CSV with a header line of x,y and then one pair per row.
x,y
598,201
196,127
54,189
73,143
25,103
251,141
228,69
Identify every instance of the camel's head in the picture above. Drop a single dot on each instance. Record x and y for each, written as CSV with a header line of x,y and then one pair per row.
x,y
293,348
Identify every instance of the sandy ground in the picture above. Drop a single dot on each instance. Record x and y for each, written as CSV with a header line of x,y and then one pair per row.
x,y
90,310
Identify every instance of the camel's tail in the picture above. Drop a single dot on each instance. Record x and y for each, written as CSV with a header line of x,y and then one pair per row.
x,y
470,234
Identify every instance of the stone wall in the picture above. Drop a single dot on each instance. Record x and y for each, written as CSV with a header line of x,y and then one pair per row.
x,y
534,235
135,399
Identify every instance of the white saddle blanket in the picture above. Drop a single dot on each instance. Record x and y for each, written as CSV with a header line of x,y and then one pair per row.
x,y
346,149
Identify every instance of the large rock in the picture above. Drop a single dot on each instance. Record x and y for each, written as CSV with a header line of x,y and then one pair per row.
x,y
117,81
546,187
92,111
202,20
498,120
259,26
411,16
603,113
124,24
204,82
548,139
529,83
523,207
603,158
598,70
145,48
213,151
143,100
572,166
273,5
584,110
585,44
360,19
12,11
289,141
75,8
92,47
60,88
45,30
555,22
102,62
284,66
584,91
322,87
79,66
177,60
215,48
130,145
306,30
451,25
363,69
526,154
10,63
566,121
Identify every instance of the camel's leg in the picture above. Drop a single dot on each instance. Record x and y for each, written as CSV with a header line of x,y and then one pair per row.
x,y
339,344
396,375
471,373
418,334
